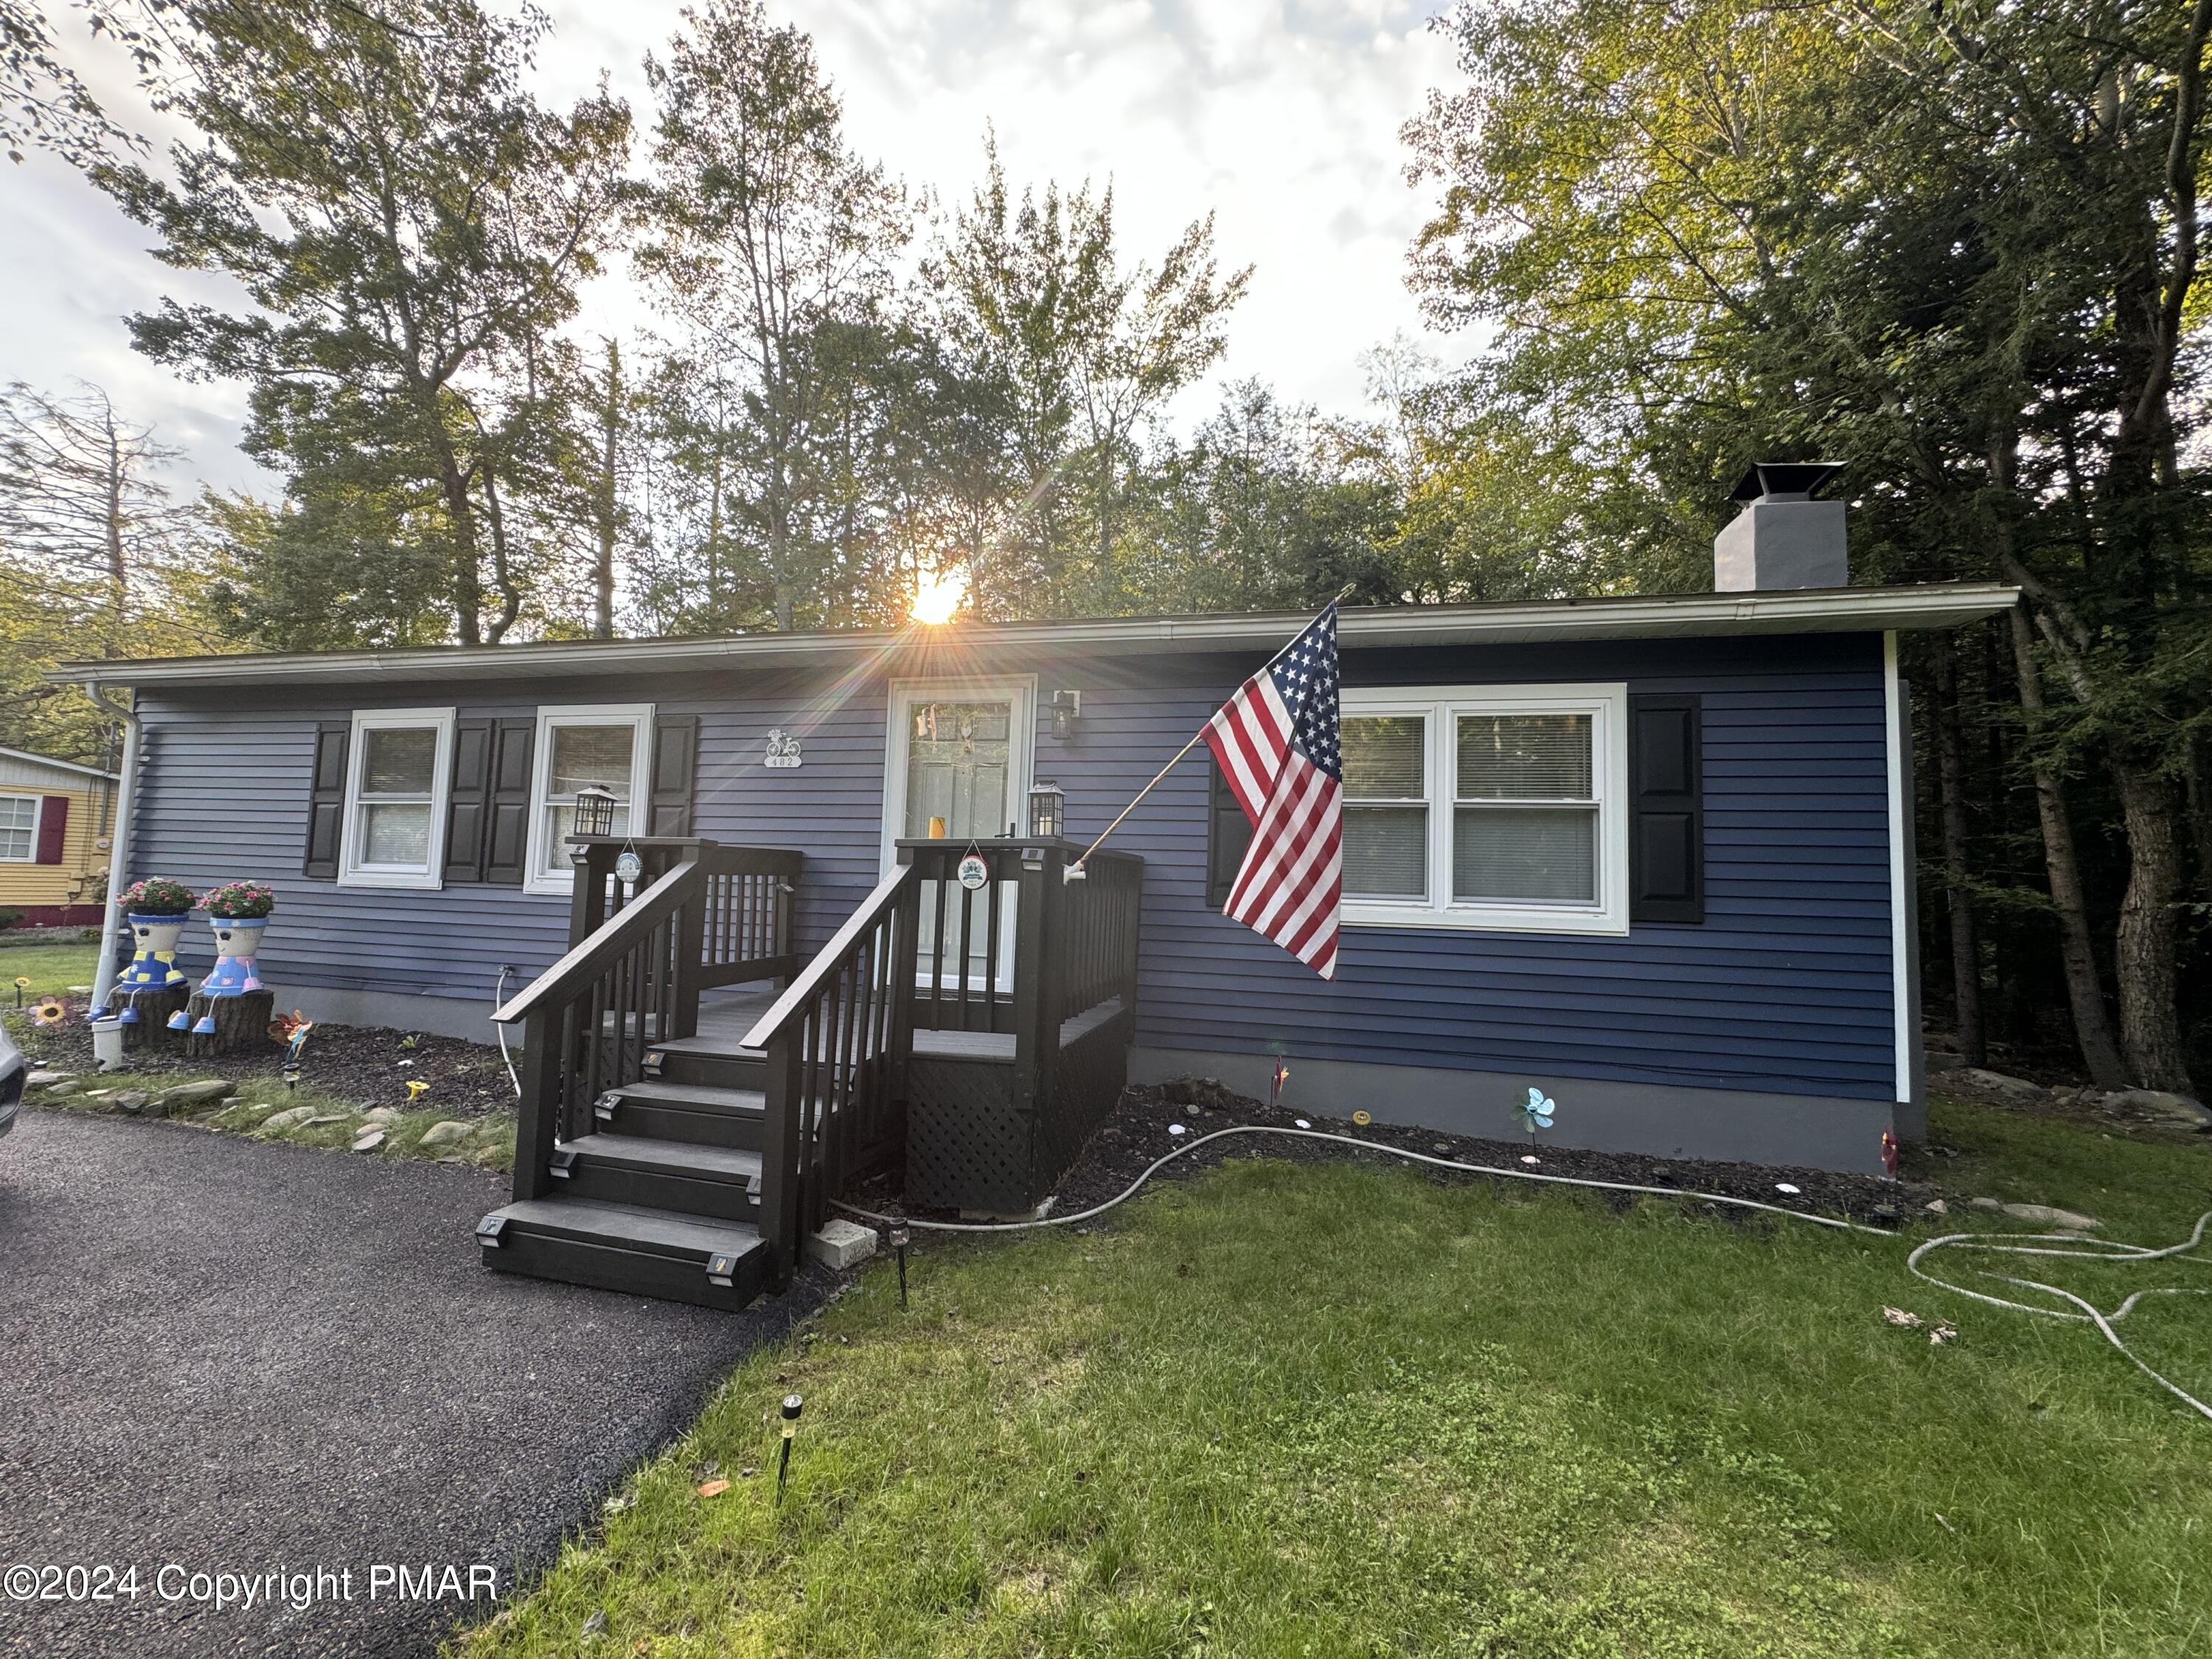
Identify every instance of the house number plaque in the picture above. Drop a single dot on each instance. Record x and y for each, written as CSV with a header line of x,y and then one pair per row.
x,y
782,751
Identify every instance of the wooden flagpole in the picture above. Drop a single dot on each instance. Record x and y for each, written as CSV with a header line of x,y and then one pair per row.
x,y
1075,871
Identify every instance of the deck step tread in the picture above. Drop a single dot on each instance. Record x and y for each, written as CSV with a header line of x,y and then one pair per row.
x,y
720,1048
668,1157
706,1096
632,1226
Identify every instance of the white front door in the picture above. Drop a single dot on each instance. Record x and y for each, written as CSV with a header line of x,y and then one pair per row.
x,y
957,768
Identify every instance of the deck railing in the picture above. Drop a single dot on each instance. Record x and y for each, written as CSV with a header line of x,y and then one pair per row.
x,y
1024,953
837,1042
700,915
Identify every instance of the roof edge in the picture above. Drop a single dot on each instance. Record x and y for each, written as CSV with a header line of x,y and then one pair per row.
x,y
36,759
1843,610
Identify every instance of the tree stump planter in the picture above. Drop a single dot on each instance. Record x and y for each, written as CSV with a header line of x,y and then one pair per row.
x,y
154,1004
241,1023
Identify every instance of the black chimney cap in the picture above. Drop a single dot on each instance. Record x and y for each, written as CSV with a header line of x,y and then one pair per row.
x,y
1784,481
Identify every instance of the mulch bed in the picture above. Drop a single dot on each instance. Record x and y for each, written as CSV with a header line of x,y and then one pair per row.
x,y
1138,1132
361,1063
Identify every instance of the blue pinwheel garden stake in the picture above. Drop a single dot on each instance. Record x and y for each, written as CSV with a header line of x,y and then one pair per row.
x,y
1535,1113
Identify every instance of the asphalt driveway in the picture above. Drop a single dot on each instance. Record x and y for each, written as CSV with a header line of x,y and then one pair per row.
x,y
219,1356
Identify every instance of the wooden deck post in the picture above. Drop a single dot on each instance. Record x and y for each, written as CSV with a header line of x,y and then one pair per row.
x,y
538,1112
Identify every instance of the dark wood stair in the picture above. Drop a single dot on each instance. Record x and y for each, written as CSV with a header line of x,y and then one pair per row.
x,y
627,1246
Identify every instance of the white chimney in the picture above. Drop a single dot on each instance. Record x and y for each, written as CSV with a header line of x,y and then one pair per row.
x,y
1782,538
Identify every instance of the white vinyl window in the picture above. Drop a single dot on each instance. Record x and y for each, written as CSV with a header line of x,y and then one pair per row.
x,y
19,829
1480,806
398,767
610,745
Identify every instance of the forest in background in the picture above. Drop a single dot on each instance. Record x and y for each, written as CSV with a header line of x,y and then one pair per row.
x,y
1954,248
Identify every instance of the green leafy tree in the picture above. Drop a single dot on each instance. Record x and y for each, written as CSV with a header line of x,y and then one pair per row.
x,y
1081,350
411,228
1954,244
767,239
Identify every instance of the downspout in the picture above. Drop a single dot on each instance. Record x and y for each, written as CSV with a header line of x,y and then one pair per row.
x,y
118,856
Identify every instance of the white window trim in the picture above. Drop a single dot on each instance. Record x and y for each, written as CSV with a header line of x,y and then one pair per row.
x,y
1607,707
1020,750
38,822
353,874
561,883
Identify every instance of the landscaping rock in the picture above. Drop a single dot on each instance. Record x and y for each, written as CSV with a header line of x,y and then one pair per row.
x,y
132,1101
2157,1103
369,1141
444,1133
189,1096
1937,1206
322,1118
841,1244
290,1116
42,1079
2016,1089
2049,1216
384,1115
67,1085
1986,1203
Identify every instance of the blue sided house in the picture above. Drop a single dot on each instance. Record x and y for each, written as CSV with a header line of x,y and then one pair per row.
x,y
771,913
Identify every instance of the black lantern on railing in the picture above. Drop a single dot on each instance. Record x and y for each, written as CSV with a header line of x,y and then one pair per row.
x,y
595,810
1047,812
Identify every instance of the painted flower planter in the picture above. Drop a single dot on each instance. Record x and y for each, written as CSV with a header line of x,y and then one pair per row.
x,y
237,941
154,957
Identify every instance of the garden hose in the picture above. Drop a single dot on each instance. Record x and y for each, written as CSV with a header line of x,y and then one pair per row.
x,y
499,1001
2009,1244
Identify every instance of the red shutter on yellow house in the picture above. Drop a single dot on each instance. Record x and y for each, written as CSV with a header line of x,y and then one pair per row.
x,y
54,819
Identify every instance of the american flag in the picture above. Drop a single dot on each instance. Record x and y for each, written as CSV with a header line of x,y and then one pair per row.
x,y
1278,746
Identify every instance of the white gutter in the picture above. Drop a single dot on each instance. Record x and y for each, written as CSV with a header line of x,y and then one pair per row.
x,y
1823,611
1902,1013
119,851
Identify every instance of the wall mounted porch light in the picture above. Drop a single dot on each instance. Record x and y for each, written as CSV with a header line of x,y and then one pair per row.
x,y
1067,714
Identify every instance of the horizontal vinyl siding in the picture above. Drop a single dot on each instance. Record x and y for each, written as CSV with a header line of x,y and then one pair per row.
x,y
1784,987
224,795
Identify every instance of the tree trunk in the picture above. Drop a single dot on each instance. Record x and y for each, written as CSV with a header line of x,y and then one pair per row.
x,y
2093,1026
1965,943
603,620
2145,945
2200,811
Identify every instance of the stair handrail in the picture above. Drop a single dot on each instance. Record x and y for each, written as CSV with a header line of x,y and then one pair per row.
x,y
837,1044
807,983
585,963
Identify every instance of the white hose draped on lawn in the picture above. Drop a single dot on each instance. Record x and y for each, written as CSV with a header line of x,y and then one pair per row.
x,y
2103,1249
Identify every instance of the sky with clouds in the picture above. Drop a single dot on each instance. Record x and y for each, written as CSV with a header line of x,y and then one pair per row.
x,y
1280,118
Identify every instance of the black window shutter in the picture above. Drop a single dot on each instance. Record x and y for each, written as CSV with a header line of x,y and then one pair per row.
x,y
1227,833
508,806
1667,808
468,804
326,801
675,760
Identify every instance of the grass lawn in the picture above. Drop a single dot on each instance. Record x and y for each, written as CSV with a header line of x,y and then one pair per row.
x,y
1346,1410
52,969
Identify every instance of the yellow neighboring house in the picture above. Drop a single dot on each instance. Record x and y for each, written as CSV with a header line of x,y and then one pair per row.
x,y
55,817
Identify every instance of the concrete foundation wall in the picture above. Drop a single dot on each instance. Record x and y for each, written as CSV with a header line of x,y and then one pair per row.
x,y
1800,1131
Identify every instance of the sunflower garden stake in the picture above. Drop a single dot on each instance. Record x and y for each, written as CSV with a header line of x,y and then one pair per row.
x,y
1535,1113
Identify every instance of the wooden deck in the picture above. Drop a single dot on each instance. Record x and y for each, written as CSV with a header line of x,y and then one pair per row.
x,y
724,1017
